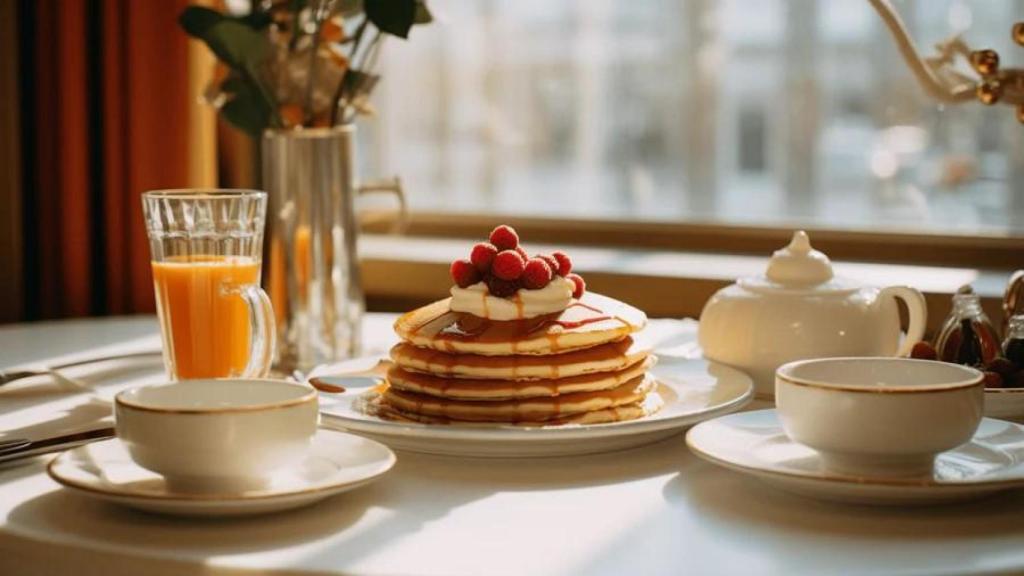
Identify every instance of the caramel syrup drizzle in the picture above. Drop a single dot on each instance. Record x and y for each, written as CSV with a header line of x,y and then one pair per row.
x,y
324,386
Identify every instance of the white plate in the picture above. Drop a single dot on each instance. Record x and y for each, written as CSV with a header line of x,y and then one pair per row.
x,y
693,390
754,443
336,462
1005,403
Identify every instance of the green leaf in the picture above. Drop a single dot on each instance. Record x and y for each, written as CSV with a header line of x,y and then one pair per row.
x,y
394,17
246,109
238,45
197,20
257,20
244,49
356,83
423,15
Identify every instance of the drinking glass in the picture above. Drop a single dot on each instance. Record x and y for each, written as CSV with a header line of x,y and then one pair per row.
x,y
206,250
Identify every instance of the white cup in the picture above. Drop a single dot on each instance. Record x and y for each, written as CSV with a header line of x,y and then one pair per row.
x,y
217,435
879,416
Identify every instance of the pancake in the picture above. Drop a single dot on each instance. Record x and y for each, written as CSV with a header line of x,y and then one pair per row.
x,y
488,390
591,321
651,403
604,358
542,409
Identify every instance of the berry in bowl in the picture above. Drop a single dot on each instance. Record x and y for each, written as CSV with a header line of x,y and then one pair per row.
x,y
1003,370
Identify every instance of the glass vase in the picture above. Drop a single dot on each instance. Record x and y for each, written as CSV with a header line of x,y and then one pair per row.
x,y
311,263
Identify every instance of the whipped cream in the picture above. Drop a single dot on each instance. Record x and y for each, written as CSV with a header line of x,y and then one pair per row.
x,y
476,300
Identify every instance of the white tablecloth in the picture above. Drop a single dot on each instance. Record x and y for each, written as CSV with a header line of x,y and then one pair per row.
x,y
651,510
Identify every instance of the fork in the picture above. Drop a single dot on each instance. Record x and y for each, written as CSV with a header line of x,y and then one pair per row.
x,y
11,375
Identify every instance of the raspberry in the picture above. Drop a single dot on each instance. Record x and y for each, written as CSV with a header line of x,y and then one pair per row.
x,y
504,238
564,263
508,265
464,273
536,275
501,288
482,256
552,263
993,380
522,252
581,286
923,351
1001,366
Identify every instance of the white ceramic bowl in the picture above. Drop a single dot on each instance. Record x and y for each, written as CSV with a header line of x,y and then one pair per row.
x,y
879,416
1005,404
217,435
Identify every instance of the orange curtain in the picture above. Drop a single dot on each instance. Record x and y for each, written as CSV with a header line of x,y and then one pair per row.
x,y
113,86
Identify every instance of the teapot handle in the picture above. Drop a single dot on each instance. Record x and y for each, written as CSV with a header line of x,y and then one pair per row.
x,y
917,310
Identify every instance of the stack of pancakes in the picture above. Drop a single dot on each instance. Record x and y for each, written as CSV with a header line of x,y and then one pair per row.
x,y
582,365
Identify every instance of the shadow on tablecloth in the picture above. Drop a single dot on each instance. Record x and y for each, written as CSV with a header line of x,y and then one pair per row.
x,y
421,489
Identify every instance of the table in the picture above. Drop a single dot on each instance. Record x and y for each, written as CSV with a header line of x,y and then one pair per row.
x,y
651,510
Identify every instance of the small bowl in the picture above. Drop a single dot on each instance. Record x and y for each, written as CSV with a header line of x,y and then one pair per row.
x,y
879,416
1005,404
217,435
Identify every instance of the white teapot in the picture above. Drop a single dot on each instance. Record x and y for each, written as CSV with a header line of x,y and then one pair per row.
x,y
799,310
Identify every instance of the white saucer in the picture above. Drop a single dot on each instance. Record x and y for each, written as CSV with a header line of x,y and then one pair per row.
x,y
336,462
1005,403
693,390
754,443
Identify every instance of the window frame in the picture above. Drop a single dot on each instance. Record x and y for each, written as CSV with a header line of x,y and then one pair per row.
x,y
988,251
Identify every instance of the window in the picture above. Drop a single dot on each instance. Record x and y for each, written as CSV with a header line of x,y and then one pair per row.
x,y
777,113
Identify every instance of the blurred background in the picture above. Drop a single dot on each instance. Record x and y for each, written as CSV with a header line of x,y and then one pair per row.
x,y
755,115
770,112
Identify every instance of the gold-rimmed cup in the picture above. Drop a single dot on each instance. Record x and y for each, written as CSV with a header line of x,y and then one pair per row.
x,y
879,416
225,435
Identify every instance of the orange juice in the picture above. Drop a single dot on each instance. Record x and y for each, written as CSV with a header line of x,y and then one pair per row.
x,y
277,276
205,323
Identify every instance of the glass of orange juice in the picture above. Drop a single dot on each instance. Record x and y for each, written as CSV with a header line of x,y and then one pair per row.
x,y
206,248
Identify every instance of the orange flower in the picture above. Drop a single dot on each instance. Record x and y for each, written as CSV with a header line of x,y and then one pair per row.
x,y
291,115
332,30
338,57
220,72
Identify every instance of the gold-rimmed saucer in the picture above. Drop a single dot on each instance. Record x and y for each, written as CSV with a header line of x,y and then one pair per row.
x,y
334,463
754,443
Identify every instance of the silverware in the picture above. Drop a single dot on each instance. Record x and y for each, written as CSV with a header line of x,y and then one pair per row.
x,y
8,376
18,448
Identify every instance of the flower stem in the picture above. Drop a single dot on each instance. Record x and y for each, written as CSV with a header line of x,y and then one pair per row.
x,y
322,10
338,92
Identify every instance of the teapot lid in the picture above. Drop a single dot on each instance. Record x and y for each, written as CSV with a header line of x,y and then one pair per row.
x,y
798,267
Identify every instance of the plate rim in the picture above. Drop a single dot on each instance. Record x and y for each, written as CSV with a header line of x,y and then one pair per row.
x,y
509,433
213,499
1004,391
865,483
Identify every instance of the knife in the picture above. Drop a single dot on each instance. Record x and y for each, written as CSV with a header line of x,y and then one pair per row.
x,y
19,448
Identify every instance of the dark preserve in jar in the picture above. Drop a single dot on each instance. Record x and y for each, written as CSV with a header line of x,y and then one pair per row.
x,y
968,336
1013,344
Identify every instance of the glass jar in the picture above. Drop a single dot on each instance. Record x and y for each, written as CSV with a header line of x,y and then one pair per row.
x,y
967,336
1013,343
